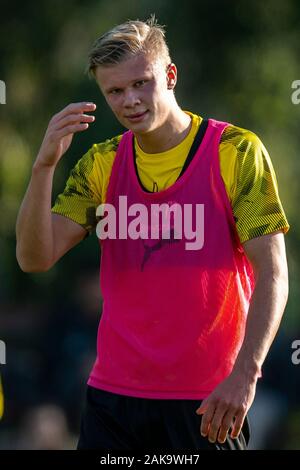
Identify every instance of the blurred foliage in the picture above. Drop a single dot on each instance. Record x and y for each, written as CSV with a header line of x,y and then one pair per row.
x,y
236,62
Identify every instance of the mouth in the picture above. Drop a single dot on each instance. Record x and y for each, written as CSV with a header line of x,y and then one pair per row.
x,y
136,117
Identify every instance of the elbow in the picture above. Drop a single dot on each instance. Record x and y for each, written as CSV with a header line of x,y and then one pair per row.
x,y
29,264
28,268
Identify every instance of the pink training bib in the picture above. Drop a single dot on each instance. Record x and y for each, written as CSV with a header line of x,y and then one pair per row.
x,y
174,309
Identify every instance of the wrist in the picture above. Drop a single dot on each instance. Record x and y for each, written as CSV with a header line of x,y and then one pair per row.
x,y
251,370
39,166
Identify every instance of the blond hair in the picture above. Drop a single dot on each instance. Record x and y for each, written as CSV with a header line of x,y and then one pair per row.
x,y
128,39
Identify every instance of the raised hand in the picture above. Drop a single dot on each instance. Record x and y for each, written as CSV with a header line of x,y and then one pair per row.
x,y
60,132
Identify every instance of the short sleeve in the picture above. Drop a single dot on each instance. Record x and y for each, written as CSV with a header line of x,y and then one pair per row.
x,y
80,198
255,200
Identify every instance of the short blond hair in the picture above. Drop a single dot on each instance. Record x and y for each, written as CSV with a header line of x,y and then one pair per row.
x,y
129,39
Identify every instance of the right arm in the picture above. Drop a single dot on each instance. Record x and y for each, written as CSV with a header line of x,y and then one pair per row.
x,y
42,236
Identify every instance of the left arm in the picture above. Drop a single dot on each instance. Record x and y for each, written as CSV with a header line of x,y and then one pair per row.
x,y
227,406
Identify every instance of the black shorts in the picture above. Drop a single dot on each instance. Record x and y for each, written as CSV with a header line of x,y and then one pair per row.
x,y
119,422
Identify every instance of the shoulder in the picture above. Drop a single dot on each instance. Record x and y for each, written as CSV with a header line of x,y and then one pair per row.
x,y
92,167
241,153
240,138
99,157
104,149
244,150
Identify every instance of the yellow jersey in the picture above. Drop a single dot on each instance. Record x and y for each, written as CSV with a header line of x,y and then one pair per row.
x,y
245,166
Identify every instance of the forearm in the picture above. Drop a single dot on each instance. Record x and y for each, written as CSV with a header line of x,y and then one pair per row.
x,y
265,312
34,230
227,406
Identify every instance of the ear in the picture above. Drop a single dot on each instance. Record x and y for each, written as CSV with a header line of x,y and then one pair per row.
x,y
171,76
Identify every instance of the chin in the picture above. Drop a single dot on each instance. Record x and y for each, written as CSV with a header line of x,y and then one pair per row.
x,y
143,127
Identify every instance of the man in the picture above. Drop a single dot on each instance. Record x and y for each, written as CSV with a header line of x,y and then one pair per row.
x,y
185,328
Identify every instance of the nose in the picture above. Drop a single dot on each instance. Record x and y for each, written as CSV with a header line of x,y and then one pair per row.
x,y
131,99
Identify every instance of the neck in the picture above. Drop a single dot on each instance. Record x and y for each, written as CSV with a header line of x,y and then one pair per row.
x,y
173,131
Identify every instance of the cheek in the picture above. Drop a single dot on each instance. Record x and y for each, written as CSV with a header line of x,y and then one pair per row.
x,y
159,93
114,104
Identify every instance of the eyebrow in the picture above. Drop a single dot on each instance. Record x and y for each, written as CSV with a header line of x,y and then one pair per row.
x,y
143,77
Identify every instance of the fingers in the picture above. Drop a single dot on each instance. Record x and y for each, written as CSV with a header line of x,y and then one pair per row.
x,y
71,119
60,131
217,420
227,423
207,411
238,424
73,108
71,129
74,119
216,424
212,421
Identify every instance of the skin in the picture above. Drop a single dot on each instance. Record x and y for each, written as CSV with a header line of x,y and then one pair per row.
x,y
42,237
142,84
227,406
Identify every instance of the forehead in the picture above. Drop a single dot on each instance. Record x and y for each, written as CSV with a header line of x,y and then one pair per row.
x,y
127,71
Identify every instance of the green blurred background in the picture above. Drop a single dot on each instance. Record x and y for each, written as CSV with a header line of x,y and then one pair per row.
x,y
236,62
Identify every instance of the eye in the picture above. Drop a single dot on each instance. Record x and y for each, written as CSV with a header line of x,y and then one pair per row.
x,y
116,91
140,83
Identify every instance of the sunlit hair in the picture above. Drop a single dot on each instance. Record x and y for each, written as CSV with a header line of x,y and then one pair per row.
x,y
127,40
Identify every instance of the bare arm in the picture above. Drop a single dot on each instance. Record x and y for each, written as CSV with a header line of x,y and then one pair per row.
x,y
227,406
43,237
268,258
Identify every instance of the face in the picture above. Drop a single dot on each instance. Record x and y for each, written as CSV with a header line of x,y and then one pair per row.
x,y
139,91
